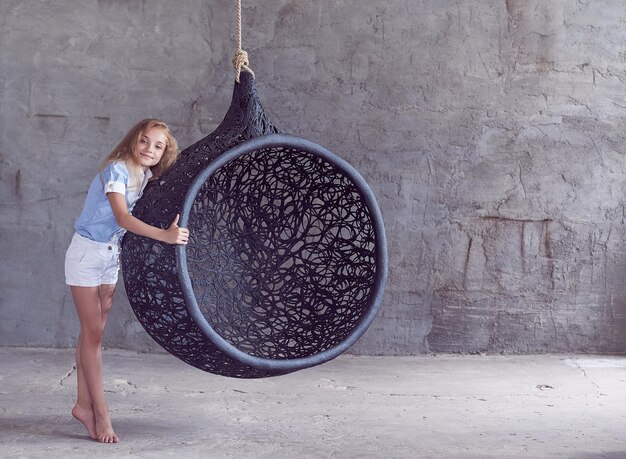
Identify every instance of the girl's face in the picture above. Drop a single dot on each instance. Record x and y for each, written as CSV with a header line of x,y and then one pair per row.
x,y
150,147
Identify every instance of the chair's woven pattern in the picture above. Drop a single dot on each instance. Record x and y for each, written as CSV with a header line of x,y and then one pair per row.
x,y
282,254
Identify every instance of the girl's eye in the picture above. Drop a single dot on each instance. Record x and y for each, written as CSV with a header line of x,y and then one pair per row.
x,y
143,140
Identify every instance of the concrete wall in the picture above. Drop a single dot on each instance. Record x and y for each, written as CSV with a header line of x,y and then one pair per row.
x,y
490,131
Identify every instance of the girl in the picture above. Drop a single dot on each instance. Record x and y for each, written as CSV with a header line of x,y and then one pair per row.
x,y
92,259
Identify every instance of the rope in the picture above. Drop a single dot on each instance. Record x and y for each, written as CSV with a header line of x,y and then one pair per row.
x,y
240,59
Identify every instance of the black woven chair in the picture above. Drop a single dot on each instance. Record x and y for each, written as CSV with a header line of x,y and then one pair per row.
x,y
286,263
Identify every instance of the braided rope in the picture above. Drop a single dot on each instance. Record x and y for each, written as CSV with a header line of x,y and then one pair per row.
x,y
240,59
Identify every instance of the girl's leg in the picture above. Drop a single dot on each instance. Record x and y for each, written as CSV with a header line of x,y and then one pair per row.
x,y
91,312
106,293
83,410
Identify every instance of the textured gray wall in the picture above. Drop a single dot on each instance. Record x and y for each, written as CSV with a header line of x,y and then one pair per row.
x,y
490,131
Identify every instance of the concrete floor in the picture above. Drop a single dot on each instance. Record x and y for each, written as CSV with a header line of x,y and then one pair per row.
x,y
353,407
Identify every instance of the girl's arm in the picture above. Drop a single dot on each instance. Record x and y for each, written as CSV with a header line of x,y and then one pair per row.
x,y
173,235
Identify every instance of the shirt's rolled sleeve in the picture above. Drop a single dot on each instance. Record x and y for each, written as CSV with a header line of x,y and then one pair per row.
x,y
116,178
115,187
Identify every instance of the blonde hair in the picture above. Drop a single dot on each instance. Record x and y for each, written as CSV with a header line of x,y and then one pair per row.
x,y
125,151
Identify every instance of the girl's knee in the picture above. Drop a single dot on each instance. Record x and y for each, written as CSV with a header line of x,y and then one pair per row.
x,y
92,336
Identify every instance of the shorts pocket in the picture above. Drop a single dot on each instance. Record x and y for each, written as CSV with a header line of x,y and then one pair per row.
x,y
76,252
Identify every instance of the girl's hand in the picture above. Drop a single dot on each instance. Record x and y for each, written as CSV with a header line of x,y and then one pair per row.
x,y
175,234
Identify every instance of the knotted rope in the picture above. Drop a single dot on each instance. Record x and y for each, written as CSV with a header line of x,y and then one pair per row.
x,y
240,59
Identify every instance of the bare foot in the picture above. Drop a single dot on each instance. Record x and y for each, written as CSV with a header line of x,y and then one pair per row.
x,y
104,429
87,418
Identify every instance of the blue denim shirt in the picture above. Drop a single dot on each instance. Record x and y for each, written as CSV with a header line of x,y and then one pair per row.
x,y
97,221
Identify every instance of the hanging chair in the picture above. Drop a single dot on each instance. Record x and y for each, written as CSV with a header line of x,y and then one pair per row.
x,y
286,263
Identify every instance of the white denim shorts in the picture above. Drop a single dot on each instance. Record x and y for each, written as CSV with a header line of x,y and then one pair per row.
x,y
89,263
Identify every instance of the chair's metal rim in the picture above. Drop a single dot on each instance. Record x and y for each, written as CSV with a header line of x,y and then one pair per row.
x,y
283,365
